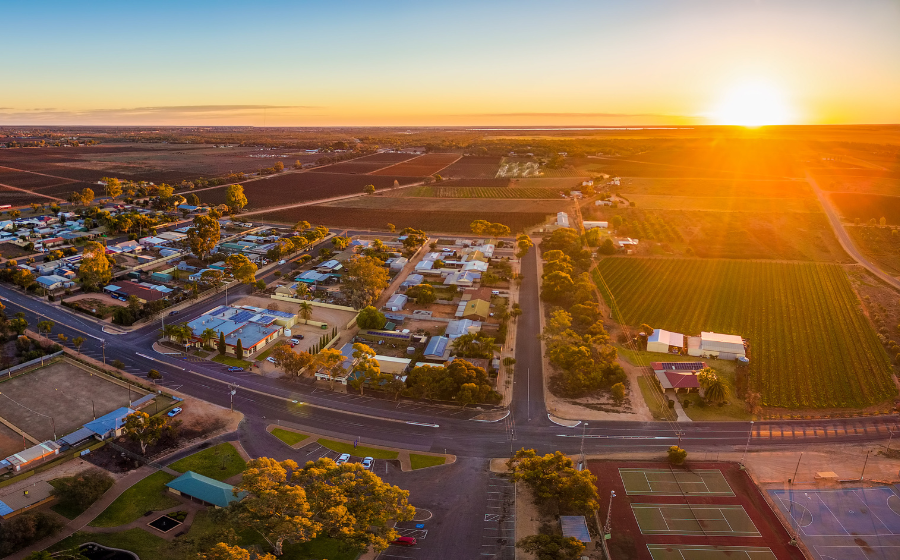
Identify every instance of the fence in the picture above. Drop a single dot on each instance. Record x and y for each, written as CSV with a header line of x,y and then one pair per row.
x,y
33,362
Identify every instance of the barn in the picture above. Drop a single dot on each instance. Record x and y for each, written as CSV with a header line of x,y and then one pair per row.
x,y
665,341
716,345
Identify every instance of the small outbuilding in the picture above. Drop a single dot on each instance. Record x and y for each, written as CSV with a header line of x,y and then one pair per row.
x,y
205,490
665,341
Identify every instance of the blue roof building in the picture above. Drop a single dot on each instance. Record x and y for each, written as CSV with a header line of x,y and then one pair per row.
x,y
109,425
204,489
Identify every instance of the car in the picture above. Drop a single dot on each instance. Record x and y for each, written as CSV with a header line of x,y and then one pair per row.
x,y
174,412
294,341
301,336
368,463
282,261
235,368
270,359
292,345
344,457
173,313
405,541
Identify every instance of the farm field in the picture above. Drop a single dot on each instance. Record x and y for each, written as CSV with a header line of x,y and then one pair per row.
x,y
473,167
714,187
865,185
560,183
366,164
428,191
723,203
377,219
811,346
739,235
427,164
299,187
390,204
878,244
495,182
64,391
865,207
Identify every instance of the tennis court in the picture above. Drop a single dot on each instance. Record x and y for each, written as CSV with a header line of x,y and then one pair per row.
x,y
845,524
661,482
709,552
684,519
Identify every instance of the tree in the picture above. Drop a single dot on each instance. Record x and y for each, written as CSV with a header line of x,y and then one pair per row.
x,y
552,547
607,247
716,391
207,336
366,367
44,327
82,490
224,551
422,293
618,393
278,167
306,310
277,510
391,227
77,342
204,235
616,222
193,199
95,270
113,186
676,455
364,279
370,318
523,244
369,189
239,350
302,290
707,376
331,361
87,196
558,288
340,243
234,198
553,477
222,348
25,529
144,429
154,375
292,363
241,268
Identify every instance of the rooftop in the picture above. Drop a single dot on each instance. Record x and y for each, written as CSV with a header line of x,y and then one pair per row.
x,y
206,489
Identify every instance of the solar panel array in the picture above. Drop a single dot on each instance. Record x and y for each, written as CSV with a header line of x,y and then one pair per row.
x,y
682,366
218,310
243,316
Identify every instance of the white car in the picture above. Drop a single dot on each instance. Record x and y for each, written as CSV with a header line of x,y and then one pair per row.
x,y
295,341
342,459
368,463
282,261
270,359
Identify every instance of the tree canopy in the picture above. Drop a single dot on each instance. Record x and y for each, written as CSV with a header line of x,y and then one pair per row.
x,y
95,269
204,235
364,279
234,198
553,478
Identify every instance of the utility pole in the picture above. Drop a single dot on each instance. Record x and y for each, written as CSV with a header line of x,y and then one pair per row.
x,y
750,433
888,450
864,466
53,422
583,464
607,529
791,498
103,346
93,410
232,389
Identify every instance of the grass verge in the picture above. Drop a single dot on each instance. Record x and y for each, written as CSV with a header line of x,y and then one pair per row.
x,y
360,451
423,461
147,495
657,409
290,438
230,361
219,462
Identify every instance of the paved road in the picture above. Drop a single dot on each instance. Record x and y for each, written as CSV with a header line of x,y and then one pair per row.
x,y
844,237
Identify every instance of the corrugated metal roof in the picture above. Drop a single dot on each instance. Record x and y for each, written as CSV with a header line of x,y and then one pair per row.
x,y
204,488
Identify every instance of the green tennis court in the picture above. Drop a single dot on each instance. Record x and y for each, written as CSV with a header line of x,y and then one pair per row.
x,y
659,482
709,552
683,519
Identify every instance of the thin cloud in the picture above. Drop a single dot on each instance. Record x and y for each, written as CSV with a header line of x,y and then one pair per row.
x,y
575,115
201,108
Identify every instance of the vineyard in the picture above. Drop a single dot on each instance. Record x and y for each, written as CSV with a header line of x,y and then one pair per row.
x,y
479,192
810,344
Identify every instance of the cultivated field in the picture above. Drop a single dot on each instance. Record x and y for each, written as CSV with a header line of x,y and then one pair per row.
x,y
865,207
299,187
811,346
427,191
472,167
62,391
391,204
878,244
366,164
377,218
428,164
713,188
724,203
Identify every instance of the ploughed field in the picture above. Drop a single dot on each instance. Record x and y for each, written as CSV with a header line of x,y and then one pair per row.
x,y
289,188
427,164
865,207
811,346
427,191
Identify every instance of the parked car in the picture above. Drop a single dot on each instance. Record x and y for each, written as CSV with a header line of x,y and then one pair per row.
x,y
342,459
294,341
174,312
270,359
282,261
174,412
405,541
235,368
368,463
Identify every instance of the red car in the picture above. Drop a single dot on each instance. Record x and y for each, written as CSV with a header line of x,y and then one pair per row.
x,y
404,541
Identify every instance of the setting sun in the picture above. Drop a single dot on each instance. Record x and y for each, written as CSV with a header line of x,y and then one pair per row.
x,y
753,105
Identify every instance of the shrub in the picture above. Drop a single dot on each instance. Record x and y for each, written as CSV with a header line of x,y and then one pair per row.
x,y
82,490
677,455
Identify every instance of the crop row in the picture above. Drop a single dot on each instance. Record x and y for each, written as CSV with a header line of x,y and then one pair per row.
x,y
481,192
811,345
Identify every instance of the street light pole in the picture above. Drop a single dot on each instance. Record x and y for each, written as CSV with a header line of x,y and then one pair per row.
x,y
53,422
608,527
232,389
103,346
749,434
583,432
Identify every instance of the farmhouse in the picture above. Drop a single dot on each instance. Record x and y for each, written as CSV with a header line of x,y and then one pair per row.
x,y
665,341
715,345
677,376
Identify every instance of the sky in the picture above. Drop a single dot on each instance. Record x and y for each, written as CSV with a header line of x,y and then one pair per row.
x,y
460,63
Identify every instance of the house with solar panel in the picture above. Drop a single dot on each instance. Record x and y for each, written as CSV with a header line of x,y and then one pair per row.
x,y
678,377
254,327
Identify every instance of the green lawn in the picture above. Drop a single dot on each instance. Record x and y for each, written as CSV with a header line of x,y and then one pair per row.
x,y
138,541
422,461
287,437
148,494
264,355
219,462
360,451
231,361
659,410
318,549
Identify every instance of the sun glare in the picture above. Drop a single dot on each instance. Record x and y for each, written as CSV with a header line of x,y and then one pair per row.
x,y
752,105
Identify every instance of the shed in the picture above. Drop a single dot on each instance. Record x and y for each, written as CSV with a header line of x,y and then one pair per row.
x,y
712,344
109,425
204,489
575,526
32,454
396,302
662,341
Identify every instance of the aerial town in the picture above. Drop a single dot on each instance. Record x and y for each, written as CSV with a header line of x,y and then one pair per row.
x,y
280,323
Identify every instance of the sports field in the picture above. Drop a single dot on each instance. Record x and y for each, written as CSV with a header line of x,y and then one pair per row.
x,y
845,524
811,346
666,482
62,395
709,552
688,519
